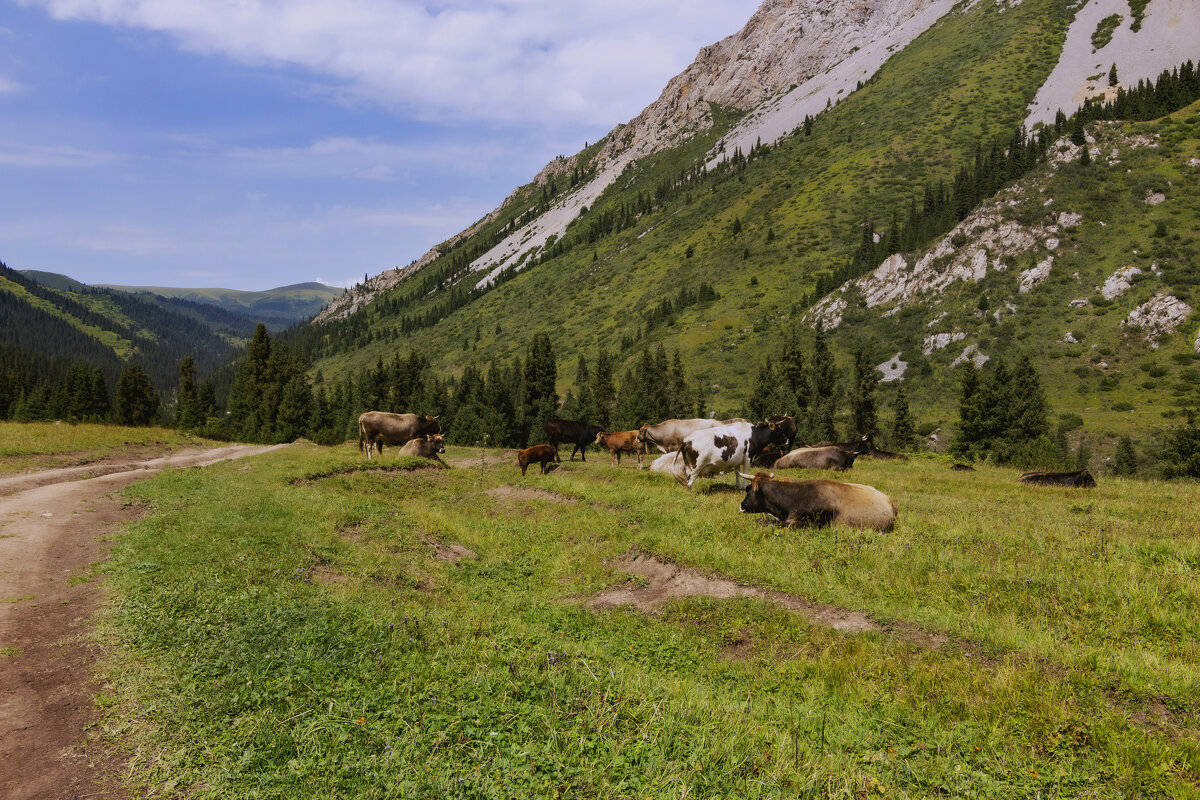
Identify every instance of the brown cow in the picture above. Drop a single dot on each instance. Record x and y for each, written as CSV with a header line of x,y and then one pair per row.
x,y
544,454
818,502
425,447
769,455
622,442
786,424
378,427
834,458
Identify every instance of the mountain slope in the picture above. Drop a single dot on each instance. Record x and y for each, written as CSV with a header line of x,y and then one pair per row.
x,y
765,229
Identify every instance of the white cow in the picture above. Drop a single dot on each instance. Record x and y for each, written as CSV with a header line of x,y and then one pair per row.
x,y
721,449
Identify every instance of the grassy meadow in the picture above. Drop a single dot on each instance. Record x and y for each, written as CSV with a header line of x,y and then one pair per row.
x,y
45,445
282,626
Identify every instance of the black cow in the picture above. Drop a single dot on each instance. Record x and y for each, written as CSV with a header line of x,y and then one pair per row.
x,y
580,434
962,468
1079,480
860,447
769,455
786,425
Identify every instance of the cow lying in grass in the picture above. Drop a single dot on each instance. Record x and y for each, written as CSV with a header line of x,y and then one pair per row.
x,y
830,457
425,447
1079,480
818,502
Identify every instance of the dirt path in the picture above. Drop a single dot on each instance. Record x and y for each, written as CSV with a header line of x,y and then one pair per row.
x,y
54,526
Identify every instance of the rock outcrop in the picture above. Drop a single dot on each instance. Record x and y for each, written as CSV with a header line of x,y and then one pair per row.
x,y
1158,316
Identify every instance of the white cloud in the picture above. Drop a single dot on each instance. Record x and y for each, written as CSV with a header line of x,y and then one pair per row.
x,y
130,240
16,154
594,62
7,85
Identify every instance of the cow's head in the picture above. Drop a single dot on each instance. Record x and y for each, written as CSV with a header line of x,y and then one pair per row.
x,y
439,443
600,437
754,502
761,435
428,426
643,435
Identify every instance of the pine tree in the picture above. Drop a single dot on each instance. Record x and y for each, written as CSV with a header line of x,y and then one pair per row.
x,y
186,412
904,434
824,382
862,401
583,384
604,391
1125,458
137,400
294,416
540,402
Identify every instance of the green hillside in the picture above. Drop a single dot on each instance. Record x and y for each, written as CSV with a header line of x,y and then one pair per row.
x,y
764,230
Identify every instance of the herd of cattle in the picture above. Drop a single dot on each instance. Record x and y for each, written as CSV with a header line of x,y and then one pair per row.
x,y
698,448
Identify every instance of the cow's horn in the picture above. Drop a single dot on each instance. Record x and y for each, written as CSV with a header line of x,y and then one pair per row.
x,y
744,476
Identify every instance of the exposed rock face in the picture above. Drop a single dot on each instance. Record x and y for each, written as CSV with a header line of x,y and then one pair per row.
x,y
939,341
987,239
1155,198
1119,282
971,353
1035,276
893,369
1158,316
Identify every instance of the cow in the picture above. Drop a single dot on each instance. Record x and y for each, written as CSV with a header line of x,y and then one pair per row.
x,y
543,454
834,458
580,434
1079,480
769,455
715,450
860,447
787,424
668,435
425,447
818,502
668,463
623,442
375,428
962,468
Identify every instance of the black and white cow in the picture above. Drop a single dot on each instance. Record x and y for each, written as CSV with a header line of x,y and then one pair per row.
x,y
727,447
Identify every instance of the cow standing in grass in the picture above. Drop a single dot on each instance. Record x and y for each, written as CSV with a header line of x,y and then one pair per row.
x,y
567,431
722,449
376,428
543,454
622,442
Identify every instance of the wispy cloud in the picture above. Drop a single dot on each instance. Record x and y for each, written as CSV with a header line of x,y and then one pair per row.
x,y
16,154
127,240
372,160
8,85
536,61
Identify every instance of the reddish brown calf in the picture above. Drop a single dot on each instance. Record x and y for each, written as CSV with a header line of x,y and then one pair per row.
x,y
623,442
543,454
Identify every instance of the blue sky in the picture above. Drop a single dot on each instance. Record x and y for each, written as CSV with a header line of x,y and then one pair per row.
x,y
249,144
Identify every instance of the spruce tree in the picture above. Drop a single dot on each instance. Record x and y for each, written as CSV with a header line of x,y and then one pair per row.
x,y
583,386
137,400
863,397
540,402
186,410
1124,461
824,382
604,391
904,434
294,416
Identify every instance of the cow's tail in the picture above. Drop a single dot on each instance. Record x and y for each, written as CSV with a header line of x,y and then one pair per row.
x,y
362,437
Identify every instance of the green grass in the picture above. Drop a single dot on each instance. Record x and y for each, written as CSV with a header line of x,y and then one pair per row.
x,y
25,446
1104,31
285,631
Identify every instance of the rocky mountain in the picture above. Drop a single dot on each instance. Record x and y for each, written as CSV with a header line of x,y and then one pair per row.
x,y
760,169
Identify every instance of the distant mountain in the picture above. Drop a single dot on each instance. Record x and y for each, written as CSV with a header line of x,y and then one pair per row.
x,y
277,308
44,328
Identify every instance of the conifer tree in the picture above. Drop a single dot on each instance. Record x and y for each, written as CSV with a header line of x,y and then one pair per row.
x,y
540,401
186,412
137,400
1124,461
604,391
862,399
904,434
583,384
824,382
295,413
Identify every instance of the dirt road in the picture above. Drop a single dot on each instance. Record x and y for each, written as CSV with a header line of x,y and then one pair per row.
x,y
54,526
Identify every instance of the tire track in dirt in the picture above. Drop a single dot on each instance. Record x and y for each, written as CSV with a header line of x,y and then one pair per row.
x,y
53,530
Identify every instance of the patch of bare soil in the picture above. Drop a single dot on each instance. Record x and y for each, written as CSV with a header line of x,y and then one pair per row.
x,y
451,552
526,493
54,528
667,581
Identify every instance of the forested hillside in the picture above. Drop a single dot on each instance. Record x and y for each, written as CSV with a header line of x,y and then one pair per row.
x,y
57,344
714,267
